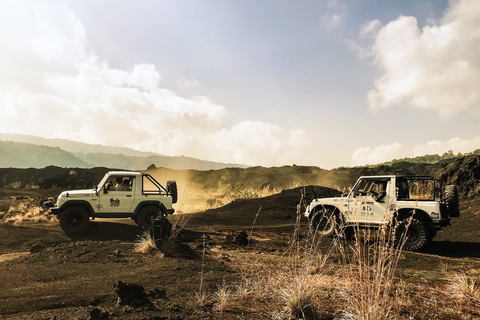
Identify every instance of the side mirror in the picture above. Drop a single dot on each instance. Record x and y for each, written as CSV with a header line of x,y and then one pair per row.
x,y
105,189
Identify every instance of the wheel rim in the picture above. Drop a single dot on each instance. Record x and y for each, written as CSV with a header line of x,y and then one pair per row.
x,y
74,222
325,224
412,237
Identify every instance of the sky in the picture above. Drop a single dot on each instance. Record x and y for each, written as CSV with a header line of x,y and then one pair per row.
x,y
257,82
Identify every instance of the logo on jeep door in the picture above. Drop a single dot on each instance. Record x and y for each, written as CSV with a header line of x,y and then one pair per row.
x,y
114,203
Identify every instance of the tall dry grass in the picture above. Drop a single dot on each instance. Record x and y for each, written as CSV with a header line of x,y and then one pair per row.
x,y
201,294
356,278
466,288
26,210
350,276
370,276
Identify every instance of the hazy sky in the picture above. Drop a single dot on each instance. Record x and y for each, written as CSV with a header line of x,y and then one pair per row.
x,y
324,83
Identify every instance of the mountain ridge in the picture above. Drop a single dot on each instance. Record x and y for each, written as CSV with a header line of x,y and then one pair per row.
x,y
23,151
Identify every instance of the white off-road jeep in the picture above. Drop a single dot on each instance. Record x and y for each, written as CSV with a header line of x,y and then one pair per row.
x,y
412,205
120,194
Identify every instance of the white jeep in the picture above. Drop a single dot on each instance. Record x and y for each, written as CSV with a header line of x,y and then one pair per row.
x,y
411,203
120,194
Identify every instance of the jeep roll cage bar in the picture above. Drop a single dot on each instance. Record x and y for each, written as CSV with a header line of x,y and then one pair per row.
x,y
155,183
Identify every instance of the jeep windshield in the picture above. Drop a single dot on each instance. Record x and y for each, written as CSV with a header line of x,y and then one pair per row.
x,y
102,182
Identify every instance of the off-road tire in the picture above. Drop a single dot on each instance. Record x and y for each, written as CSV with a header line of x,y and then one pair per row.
x,y
74,220
414,238
144,218
161,231
172,190
451,199
323,221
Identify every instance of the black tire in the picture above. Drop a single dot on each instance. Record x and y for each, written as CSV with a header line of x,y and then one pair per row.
x,y
172,190
144,218
451,199
323,221
74,220
161,231
412,235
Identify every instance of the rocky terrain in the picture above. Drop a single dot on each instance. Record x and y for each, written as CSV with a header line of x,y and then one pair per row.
x,y
233,261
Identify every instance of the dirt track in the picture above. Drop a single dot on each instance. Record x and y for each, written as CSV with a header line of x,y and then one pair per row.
x,y
47,275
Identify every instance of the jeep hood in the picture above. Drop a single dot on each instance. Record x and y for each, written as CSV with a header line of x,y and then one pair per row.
x,y
77,193
329,200
318,201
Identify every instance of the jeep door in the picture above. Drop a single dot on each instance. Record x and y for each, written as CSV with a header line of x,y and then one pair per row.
x,y
117,195
369,200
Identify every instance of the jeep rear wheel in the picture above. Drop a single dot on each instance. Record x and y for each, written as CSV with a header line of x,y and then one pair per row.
x,y
74,220
144,218
323,221
413,235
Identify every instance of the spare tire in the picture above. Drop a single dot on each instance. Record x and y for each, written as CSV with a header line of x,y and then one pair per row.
x,y
172,190
451,200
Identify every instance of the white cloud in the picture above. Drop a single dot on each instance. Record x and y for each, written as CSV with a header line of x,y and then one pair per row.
x,y
388,152
437,67
378,154
336,14
370,29
263,140
367,35
52,86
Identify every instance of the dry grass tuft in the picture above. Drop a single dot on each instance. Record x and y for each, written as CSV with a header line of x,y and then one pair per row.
x,y
201,297
299,294
244,289
145,244
26,211
222,297
464,288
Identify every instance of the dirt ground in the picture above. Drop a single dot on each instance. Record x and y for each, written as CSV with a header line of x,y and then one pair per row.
x,y
45,274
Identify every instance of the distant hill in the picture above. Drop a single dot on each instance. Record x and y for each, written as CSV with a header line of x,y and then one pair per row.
x,y
73,146
447,157
26,155
199,190
22,151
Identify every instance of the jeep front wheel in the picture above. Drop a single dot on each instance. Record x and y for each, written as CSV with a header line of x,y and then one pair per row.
x,y
144,218
323,221
74,220
412,234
